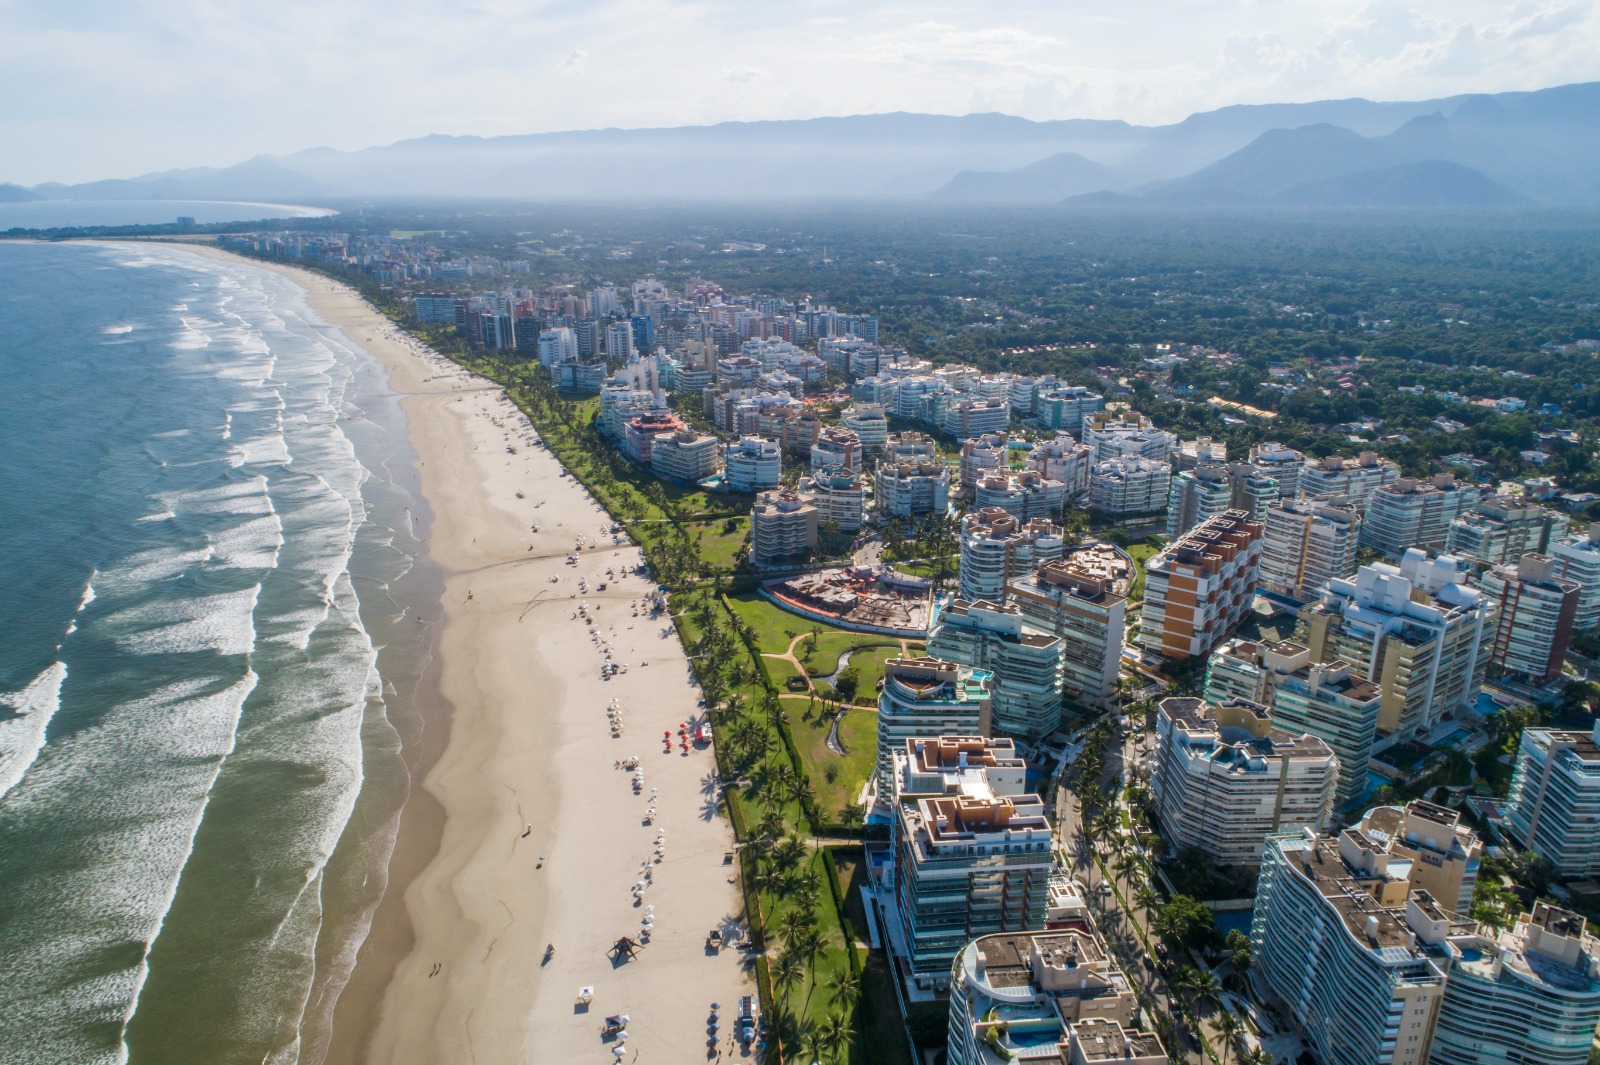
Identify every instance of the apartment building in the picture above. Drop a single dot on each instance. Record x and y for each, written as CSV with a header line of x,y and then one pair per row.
x,y
1063,408
1282,464
1024,663
996,548
1306,543
1553,806
1199,587
1536,611
1225,778
1354,478
1126,434
1501,529
1130,486
1328,700
1056,996
1025,495
972,855
982,456
1084,609
1409,513
870,424
908,489
1417,630
752,464
685,457
783,529
1197,495
927,697
1444,853
1333,948
839,496
1064,459
835,445
967,418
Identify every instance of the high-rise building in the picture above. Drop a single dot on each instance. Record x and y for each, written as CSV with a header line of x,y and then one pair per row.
x,y
1202,451
1578,559
686,457
1197,495
1444,853
1326,699
1130,486
1553,807
557,345
1354,478
1306,543
1536,613
1087,613
1225,777
1064,459
1411,513
1064,407
783,529
1025,495
1198,588
1114,434
1416,630
1074,1004
1023,662
752,464
972,853
974,417
870,424
1332,951
619,341
1530,993
1502,529
982,456
996,548
839,496
909,489
1282,464
1254,488
925,698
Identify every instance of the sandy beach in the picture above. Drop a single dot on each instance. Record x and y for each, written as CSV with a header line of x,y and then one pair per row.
x,y
523,830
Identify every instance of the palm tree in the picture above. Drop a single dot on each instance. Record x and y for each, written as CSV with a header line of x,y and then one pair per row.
x,y
1203,988
835,1033
1146,898
809,944
795,924
844,990
789,854
788,971
1255,1056
1229,1028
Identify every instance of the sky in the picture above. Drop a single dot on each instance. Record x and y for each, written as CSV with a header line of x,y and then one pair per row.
x,y
115,88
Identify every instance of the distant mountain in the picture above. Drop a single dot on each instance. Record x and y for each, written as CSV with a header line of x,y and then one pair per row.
x,y
1432,183
1541,147
1048,180
10,193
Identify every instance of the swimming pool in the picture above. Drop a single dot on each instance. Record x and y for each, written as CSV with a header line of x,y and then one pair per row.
x,y
1487,704
1455,739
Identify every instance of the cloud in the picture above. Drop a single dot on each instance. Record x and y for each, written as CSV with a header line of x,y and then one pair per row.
x,y
119,87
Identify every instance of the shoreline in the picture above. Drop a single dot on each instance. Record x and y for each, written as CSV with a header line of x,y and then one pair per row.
x,y
513,781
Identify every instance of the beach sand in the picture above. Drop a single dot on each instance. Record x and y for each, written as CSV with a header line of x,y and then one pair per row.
x,y
524,833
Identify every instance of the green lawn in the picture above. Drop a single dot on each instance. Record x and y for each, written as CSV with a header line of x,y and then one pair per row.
x,y
775,628
1140,553
871,664
781,670
880,1034
720,540
858,735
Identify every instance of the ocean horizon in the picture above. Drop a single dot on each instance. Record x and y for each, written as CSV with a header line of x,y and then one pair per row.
x,y
217,620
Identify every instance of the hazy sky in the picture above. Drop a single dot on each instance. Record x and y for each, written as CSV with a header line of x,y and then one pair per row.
x,y
113,88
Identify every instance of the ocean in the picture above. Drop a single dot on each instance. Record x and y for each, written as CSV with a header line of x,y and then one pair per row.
x,y
215,624
51,214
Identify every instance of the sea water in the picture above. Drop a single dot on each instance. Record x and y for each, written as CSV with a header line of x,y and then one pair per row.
x,y
208,530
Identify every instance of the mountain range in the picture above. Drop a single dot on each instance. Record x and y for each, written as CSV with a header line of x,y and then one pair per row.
x,y
1539,147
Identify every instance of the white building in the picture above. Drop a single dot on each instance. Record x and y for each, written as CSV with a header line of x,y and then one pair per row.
x,y
1354,478
981,456
1063,408
752,464
783,529
1197,495
1553,807
1024,495
557,345
997,548
1024,662
839,496
1578,559
1064,459
1502,529
1306,543
685,457
836,446
924,698
1130,486
1115,434
909,489
1417,630
1411,513
975,417
870,424
1090,616
1225,777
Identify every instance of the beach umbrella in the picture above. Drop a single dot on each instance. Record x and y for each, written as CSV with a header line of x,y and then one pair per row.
x,y
619,1051
622,1035
650,908
649,918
